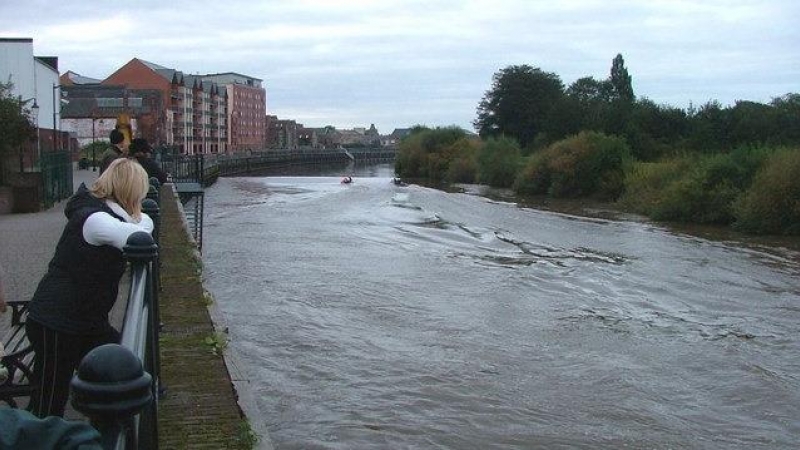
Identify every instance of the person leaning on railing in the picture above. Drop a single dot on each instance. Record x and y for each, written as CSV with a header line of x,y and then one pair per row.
x,y
68,314
141,150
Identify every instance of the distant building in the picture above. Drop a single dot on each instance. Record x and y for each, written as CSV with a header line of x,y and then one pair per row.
x,y
281,134
92,109
393,139
70,78
307,137
194,116
35,82
247,104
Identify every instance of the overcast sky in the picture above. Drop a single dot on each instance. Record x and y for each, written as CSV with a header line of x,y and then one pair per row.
x,y
399,63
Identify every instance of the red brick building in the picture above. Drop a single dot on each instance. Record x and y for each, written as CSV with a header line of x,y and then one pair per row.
x,y
247,106
196,115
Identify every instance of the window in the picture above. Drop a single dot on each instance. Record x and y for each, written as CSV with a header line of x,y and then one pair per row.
x,y
109,102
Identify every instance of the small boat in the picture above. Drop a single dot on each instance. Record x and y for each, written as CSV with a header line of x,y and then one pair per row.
x,y
347,180
398,182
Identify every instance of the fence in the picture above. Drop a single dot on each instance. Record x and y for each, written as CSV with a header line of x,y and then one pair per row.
x,y
117,385
56,169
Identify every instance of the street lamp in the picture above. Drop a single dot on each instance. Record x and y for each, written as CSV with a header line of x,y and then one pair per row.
x,y
56,110
94,147
34,115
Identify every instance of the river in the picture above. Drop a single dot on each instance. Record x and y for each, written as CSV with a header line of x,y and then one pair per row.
x,y
377,316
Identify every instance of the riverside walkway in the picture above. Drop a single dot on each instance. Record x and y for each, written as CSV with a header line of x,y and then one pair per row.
x,y
201,408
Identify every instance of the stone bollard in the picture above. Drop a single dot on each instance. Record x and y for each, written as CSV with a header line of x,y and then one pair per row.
x,y
111,387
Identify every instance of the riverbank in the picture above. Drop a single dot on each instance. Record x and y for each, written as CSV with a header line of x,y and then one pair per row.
x,y
596,209
201,408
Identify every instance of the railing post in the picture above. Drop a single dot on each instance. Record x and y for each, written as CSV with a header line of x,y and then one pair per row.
x,y
151,208
155,187
142,252
111,387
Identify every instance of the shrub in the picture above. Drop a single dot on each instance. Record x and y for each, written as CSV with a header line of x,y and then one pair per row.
x,y
463,166
772,204
645,183
588,164
698,189
498,162
426,153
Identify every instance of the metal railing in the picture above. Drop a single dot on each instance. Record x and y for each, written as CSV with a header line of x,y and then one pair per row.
x,y
205,168
117,385
56,168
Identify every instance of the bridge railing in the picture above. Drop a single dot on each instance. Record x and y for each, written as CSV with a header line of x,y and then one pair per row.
x,y
205,168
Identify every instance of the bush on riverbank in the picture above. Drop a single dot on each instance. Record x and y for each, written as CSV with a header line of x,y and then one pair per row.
x,y
750,187
772,204
427,153
499,161
463,167
588,164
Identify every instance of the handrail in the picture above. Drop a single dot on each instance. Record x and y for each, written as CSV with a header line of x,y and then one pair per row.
x,y
117,385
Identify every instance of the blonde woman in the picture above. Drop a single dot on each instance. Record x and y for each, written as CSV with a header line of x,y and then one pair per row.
x,y
68,314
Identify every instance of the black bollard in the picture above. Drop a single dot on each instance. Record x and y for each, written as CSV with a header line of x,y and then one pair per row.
x,y
150,207
111,387
153,190
140,247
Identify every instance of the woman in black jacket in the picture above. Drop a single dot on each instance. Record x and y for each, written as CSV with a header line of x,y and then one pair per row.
x,y
68,314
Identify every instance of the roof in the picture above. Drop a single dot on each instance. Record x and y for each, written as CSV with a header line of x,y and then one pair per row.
x,y
77,78
209,75
153,66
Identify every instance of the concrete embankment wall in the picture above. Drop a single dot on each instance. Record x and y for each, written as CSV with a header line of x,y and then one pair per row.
x,y
207,405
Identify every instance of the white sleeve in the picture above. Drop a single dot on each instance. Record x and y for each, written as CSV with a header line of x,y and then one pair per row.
x,y
101,228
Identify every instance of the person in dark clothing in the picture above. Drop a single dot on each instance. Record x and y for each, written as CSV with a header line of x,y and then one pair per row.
x,y
21,429
68,314
141,150
118,149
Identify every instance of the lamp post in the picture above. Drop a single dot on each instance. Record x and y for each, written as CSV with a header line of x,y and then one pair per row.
x,y
56,107
34,115
94,147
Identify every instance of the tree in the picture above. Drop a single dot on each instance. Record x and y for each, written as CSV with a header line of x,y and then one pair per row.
x,y
593,99
518,103
621,81
15,126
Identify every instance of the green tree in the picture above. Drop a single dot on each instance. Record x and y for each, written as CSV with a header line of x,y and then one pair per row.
x,y
708,128
15,126
518,104
787,113
621,81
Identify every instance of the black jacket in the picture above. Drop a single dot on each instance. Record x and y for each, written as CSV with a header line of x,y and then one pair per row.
x,y
152,168
82,280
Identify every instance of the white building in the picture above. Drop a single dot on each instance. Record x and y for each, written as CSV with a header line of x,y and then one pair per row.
x,y
35,81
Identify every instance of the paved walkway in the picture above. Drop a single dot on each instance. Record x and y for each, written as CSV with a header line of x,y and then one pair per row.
x,y
27,243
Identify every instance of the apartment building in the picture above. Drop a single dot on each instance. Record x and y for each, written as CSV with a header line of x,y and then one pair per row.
x,y
195,114
247,106
281,134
